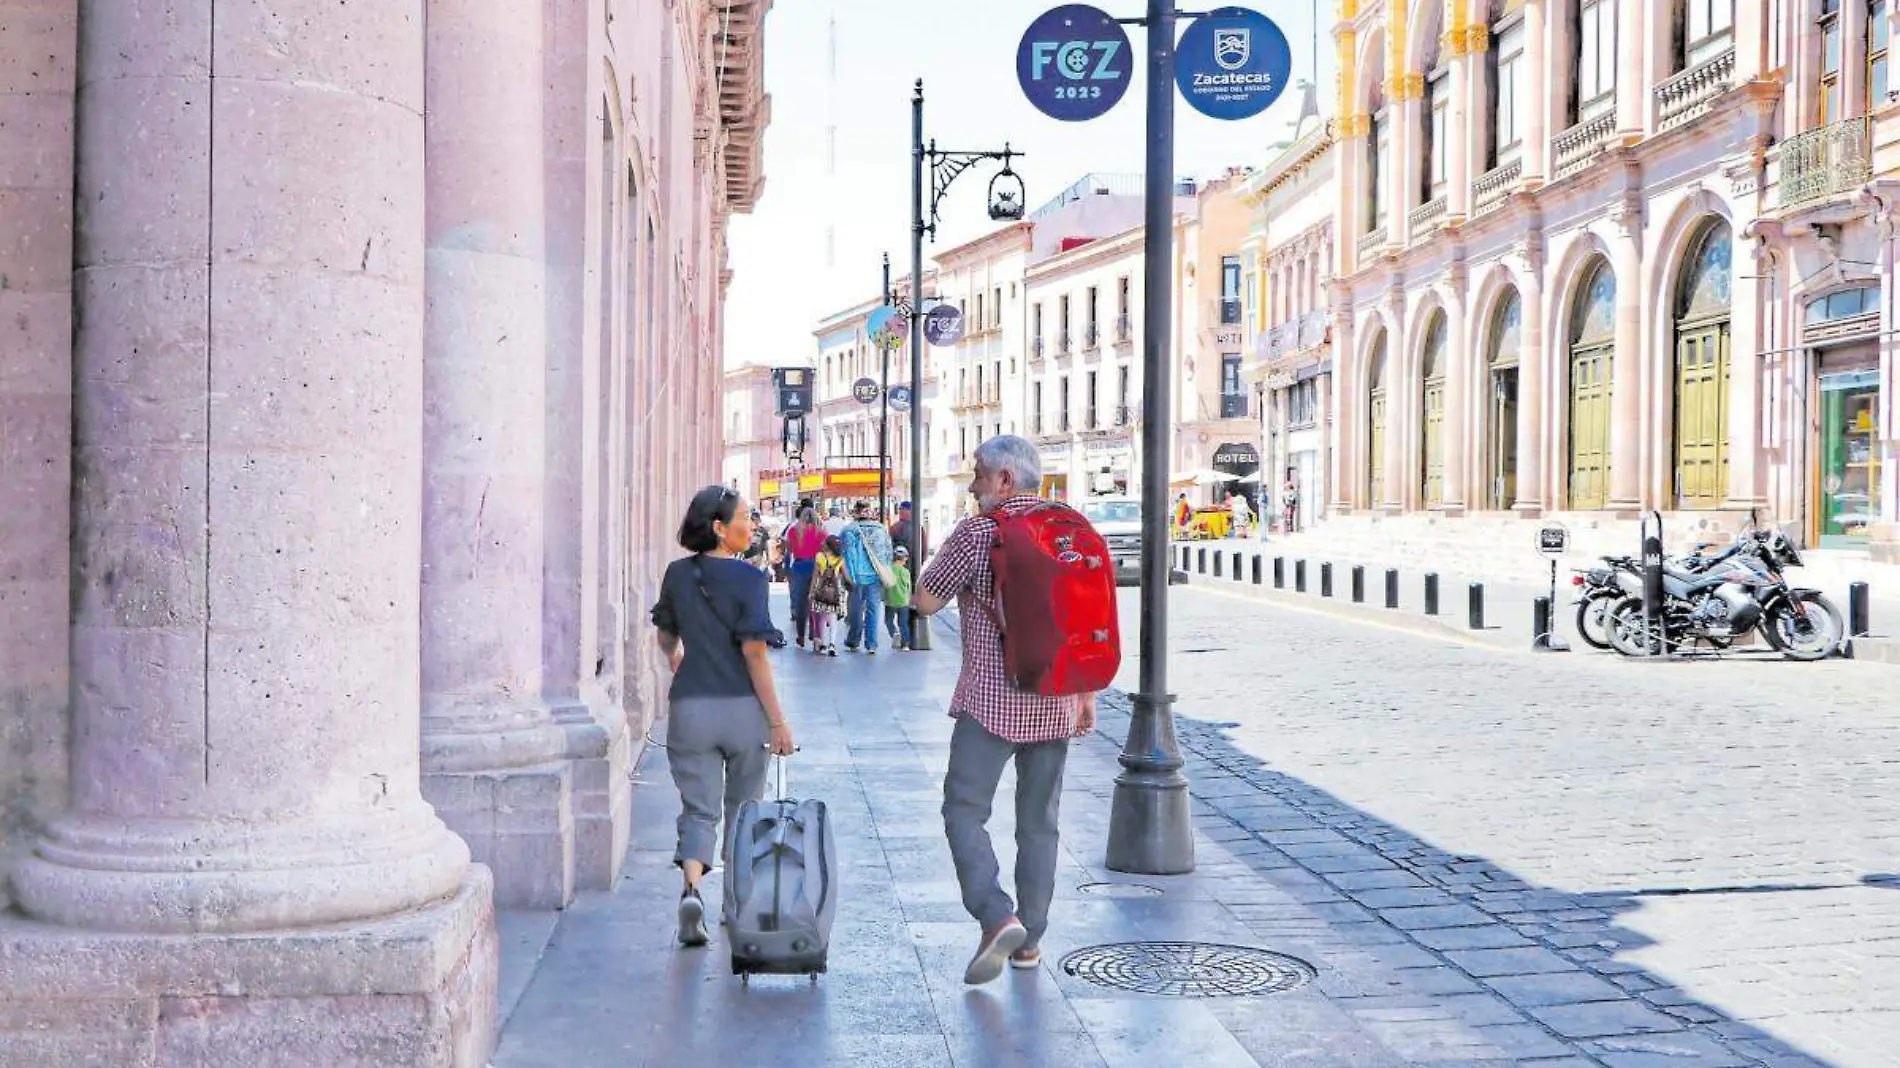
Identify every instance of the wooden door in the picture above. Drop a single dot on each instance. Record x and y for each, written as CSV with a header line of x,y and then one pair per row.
x,y
1375,454
1503,451
1590,427
1702,416
1434,443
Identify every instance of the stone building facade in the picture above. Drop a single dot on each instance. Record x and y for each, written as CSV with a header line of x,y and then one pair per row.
x,y
1567,274
753,431
356,363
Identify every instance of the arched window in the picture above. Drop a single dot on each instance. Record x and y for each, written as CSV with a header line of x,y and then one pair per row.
x,y
1506,331
1705,288
1595,318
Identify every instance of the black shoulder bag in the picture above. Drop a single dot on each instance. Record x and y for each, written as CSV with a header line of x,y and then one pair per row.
x,y
776,641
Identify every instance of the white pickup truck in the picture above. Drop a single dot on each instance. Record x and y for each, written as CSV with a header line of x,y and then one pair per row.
x,y
1118,521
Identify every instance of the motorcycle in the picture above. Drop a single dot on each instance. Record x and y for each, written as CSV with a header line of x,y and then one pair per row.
x,y
1599,590
1742,590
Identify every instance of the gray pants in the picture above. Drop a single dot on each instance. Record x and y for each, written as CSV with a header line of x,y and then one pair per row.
x,y
969,792
715,747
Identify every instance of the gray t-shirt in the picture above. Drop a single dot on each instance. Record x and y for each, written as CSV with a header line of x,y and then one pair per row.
x,y
732,609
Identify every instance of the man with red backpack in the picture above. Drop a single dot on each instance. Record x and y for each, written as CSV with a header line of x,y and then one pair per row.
x,y
1036,593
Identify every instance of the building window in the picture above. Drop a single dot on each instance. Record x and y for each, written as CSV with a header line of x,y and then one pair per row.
x,y
1508,134
1830,95
1035,327
1094,307
1229,290
1711,28
1121,393
1062,404
1375,173
1596,58
1233,399
996,378
1035,394
996,306
1063,322
977,321
1437,147
1094,422
1877,33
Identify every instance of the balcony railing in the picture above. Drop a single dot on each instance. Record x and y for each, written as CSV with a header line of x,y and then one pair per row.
x,y
1227,310
1091,336
1312,329
1577,146
993,396
1233,405
1832,159
1064,345
1373,239
1491,189
1427,218
1687,95
1035,349
1122,414
1122,327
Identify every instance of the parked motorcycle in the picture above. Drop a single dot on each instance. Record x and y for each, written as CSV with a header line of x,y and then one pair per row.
x,y
1599,589
1742,590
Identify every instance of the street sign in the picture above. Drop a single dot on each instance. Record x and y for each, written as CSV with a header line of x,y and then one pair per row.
x,y
1233,63
888,328
793,386
1074,62
1553,540
865,390
900,398
943,324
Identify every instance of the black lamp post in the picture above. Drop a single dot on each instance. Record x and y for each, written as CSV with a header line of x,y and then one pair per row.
x,y
1006,204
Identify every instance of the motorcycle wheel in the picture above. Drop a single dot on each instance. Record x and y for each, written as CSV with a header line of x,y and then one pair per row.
x,y
1814,637
1624,624
1593,619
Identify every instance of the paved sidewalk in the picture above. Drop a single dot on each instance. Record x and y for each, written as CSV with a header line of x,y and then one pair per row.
x,y
1422,957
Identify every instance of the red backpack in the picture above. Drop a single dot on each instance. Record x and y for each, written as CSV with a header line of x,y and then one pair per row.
x,y
1053,572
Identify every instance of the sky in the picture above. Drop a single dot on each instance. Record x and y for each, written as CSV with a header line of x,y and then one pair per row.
x,y
834,202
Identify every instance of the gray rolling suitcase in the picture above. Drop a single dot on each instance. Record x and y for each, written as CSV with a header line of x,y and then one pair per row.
x,y
781,888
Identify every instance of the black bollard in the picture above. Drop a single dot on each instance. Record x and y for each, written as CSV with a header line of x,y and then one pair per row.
x,y
1326,580
1299,576
1477,606
1236,571
1858,613
1358,584
1279,572
1256,571
1217,559
1185,553
1202,557
1540,622
1431,593
1391,587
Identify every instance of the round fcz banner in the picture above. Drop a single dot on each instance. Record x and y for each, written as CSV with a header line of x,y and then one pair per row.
x,y
1232,63
1074,62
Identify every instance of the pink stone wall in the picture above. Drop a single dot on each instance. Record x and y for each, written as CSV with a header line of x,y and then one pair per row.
x,y
38,45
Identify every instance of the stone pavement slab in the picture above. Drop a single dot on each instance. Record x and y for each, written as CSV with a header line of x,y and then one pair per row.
x,y
1423,957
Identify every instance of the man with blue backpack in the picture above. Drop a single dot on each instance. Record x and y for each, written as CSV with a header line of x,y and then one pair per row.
x,y
867,563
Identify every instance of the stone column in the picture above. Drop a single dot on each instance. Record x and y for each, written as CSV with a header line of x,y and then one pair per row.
x,y
494,762
1457,389
1461,126
1348,420
1400,391
1531,391
246,517
1746,464
1633,87
1538,76
1626,362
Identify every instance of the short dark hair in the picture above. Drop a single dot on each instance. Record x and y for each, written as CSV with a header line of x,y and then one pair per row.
x,y
710,505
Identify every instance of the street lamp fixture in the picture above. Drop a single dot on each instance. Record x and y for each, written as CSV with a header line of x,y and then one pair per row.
x,y
1006,202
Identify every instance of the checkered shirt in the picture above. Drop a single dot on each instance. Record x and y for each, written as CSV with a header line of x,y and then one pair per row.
x,y
961,569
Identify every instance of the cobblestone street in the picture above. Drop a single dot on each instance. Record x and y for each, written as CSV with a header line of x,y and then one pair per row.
x,y
1723,832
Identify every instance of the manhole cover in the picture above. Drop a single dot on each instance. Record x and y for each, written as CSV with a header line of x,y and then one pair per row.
x,y
1121,889
1188,969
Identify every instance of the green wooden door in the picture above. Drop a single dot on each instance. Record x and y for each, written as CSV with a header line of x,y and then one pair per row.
x,y
1590,426
1375,455
1702,416
1434,443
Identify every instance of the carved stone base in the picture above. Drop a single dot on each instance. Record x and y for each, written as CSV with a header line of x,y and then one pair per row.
x,y
416,989
519,822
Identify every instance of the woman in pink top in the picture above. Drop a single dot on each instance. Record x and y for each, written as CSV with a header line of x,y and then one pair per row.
x,y
802,543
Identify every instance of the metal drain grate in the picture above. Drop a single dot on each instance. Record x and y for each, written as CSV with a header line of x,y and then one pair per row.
x,y
1120,889
1188,969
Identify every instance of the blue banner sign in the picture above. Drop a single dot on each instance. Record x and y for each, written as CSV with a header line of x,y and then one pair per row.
x,y
943,324
900,398
1074,63
1232,63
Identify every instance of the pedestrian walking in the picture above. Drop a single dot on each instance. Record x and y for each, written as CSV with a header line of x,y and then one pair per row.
x,y
829,588
723,714
867,563
1242,513
1290,501
902,529
897,621
996,723
803,542
1183,515
836,523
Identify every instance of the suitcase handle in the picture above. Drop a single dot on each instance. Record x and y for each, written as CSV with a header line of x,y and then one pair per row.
x,y
778,772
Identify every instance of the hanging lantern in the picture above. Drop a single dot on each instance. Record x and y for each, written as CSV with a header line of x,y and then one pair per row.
x,y
1006,194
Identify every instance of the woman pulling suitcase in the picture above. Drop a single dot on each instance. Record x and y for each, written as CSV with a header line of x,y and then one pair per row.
x,y
724,718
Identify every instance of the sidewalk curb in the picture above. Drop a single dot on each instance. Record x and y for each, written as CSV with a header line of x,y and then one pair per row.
x,y
1389,618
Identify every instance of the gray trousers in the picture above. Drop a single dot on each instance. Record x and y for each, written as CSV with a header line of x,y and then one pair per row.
x,y
977,758
715,747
